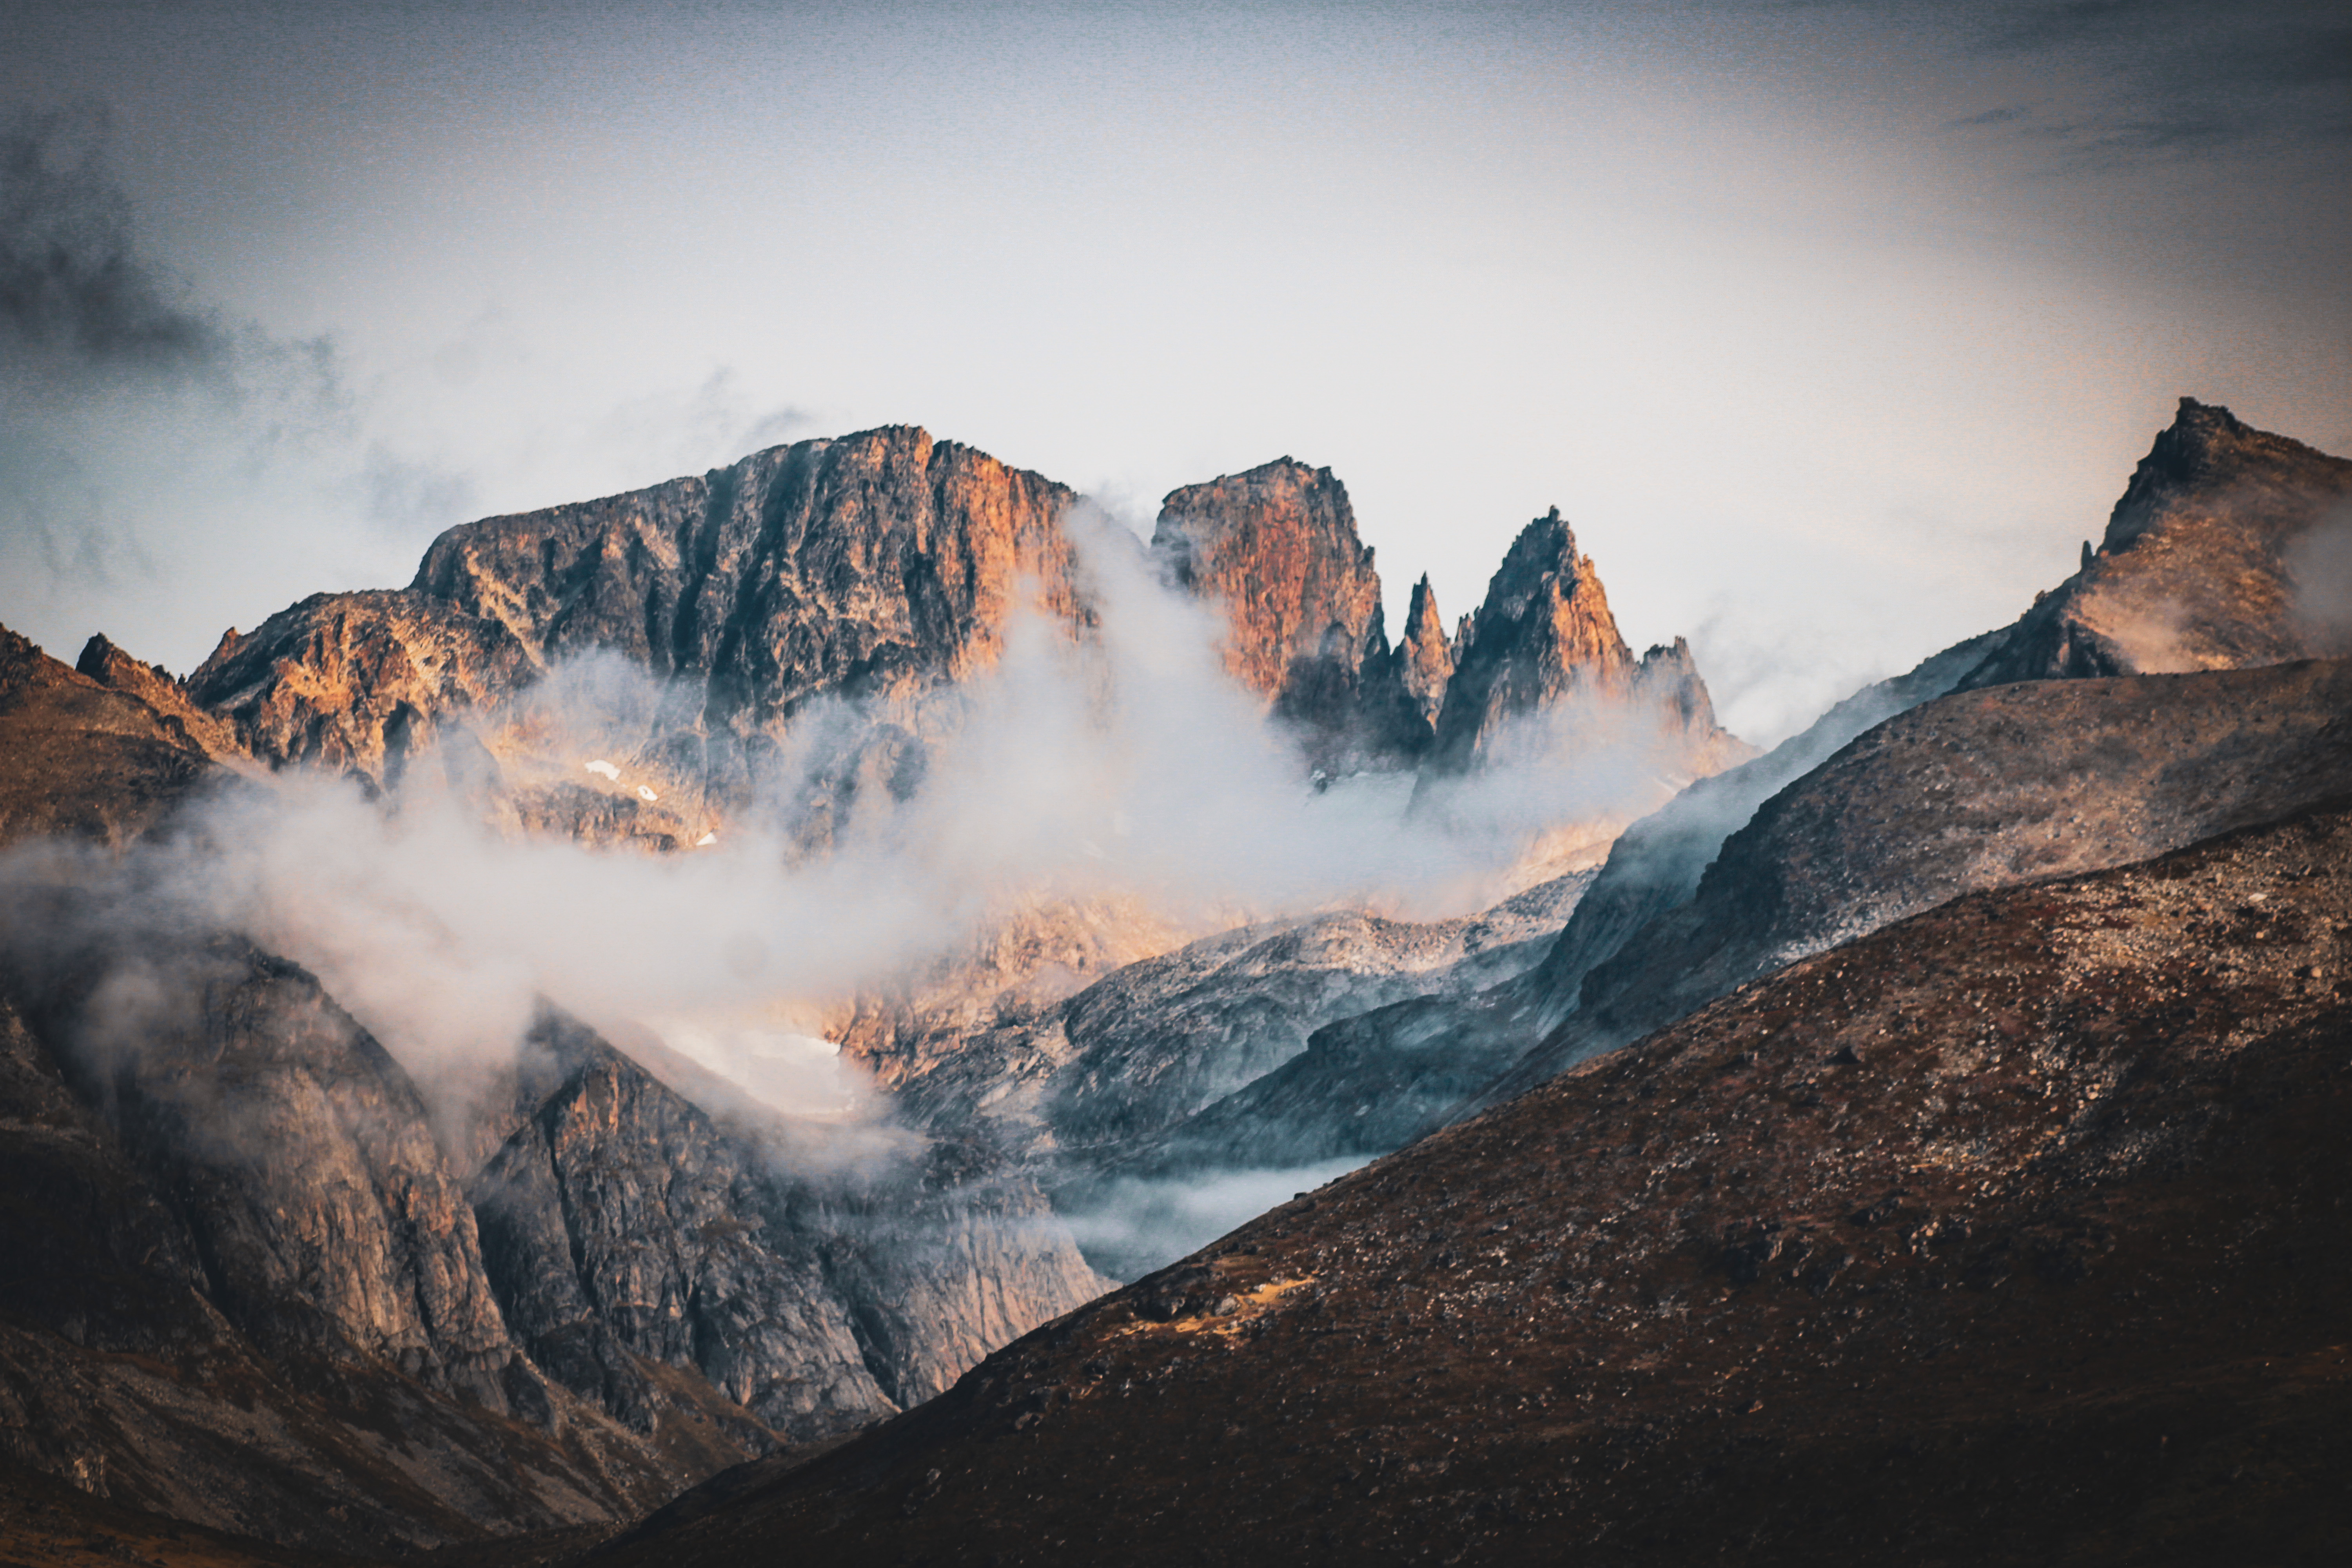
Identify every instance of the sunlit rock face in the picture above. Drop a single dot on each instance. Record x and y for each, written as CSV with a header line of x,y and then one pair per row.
x,y
358,682
1277,549
80,758
876,566
1544,637
2212,560
1403,693
870,565
109,665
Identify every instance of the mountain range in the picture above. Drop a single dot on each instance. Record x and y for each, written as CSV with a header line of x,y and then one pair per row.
x,y
1855,1150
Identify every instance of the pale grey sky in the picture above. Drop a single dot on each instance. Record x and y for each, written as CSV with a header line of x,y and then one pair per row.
x,y
1833,328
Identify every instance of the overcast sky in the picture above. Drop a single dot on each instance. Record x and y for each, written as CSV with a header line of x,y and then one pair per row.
x,y
1833,329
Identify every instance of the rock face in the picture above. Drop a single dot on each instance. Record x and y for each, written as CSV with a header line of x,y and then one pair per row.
x,y
80,758
874,565
1544,638
238,1260
625,1236
108,666
629,1233
358,681
2012,1232
1403,696
869,566
2196,569
1276,549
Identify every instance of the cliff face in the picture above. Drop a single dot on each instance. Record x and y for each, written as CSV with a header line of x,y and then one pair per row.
x,y
875,565
237,1257
358,681
869,566
625,1233
1403,693
2197,567
1276,549
632,1237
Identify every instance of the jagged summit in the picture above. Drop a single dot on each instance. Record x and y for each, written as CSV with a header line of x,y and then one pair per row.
x,y
1545,635
1403,702
2199,566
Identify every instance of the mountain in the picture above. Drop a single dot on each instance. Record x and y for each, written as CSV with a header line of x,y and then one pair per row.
x,y
83,758
1402,697
627,1232
1071,1085
2211,498
1979,789
1543,641
876,566
2197,567
2011,1232
253,1285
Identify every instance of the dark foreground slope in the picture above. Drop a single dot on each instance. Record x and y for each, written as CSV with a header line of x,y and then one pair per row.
x,y
2017,1231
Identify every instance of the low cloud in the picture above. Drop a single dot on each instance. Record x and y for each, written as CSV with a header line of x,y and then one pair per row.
x,y
2319,574
1130,1228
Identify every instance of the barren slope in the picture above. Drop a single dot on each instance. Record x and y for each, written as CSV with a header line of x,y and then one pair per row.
x,y
2017,1231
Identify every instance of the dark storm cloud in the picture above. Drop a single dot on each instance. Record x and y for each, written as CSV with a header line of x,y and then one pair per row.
x,y
84,308
76,297
2177,76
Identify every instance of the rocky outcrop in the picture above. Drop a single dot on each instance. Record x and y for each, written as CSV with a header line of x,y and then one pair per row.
x,y
623,1232
83,758
1403,693
2197,567
2012,1232
358,682
108,665
1544,639
1277,549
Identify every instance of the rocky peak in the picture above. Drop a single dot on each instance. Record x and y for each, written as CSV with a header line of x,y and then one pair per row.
x,y
358,681
871,564
2198,568
108,665
1426,657
877,565
1544,631
1404,692
1277,547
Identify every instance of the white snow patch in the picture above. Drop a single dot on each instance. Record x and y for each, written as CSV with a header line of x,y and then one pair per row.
x,y
706,838
601,766
644,793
